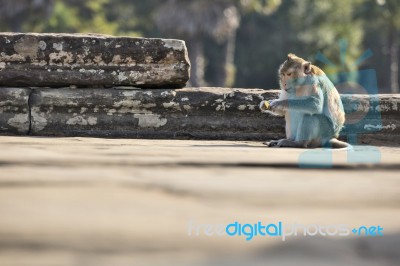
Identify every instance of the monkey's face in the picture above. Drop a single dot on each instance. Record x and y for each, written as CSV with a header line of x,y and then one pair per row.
x,y
291,78
293,72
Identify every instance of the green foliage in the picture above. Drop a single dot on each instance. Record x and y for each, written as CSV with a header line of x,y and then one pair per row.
x,y
81,16
324,32
64,18
265,7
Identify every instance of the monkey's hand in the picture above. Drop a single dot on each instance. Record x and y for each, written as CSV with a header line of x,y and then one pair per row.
x,y
279,106
265,107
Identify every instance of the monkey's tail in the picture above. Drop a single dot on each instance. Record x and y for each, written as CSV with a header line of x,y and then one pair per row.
x,y
337,144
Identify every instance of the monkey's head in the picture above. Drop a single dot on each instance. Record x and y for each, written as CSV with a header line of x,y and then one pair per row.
x,y
293,71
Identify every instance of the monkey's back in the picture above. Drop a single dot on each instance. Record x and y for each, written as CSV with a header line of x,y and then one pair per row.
x,y
333,106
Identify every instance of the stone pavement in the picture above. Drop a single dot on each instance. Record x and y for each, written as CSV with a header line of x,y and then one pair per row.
x,y
88,201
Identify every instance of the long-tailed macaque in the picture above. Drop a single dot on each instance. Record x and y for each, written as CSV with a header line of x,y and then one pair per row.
x,y
311,105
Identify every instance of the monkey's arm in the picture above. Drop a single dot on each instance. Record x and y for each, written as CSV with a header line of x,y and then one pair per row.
x,y
312,104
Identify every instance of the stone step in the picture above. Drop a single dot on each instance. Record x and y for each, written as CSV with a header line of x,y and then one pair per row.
x,y
202,113
91,60
162,113
14,111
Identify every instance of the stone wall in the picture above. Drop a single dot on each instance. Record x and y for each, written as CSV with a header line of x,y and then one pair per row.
x,y
201,113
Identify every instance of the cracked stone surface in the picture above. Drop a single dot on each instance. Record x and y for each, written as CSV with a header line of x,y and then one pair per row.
x,y
56,60
88,201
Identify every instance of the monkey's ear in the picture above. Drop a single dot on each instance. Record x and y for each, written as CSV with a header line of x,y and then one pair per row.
x,y
307,67
290,57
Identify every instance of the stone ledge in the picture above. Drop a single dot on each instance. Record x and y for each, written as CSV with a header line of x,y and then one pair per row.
x,y
209,113
203,113
93,60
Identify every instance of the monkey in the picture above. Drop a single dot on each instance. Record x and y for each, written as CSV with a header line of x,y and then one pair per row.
x,y
311,105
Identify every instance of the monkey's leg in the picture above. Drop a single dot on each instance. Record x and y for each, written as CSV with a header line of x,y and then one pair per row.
x,y
288,143
308,133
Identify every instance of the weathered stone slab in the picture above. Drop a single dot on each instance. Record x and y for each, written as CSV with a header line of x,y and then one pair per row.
x,y
370,118
205,113
14,111
57,60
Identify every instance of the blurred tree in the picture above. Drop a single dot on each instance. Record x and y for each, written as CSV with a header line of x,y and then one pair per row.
x,y
304,27
133,17
322,24
13,14
216,20
263,31
192,21
386,28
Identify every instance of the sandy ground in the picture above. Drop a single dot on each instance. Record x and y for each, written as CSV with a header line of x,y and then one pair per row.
x,y
87,201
